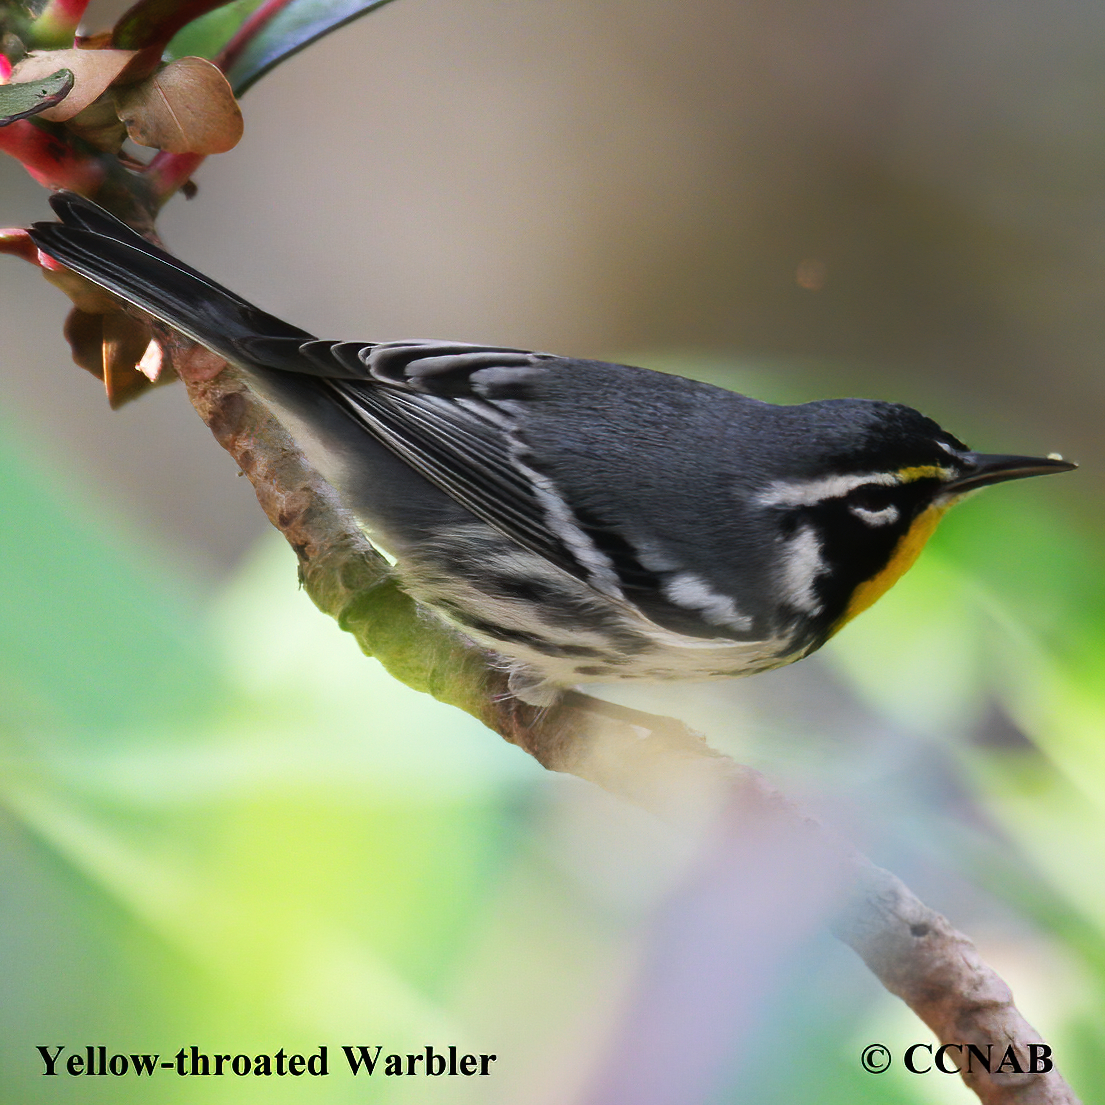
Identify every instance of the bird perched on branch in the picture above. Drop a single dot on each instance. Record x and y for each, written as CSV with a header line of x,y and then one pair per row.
x,y
587,522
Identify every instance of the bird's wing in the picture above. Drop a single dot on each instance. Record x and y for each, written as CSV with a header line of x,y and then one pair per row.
x,y
455,413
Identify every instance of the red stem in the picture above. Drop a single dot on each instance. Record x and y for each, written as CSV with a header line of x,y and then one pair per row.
x,y
51,160
168,171
17,242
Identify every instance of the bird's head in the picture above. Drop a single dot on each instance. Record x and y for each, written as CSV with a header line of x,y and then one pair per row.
x,y
864,491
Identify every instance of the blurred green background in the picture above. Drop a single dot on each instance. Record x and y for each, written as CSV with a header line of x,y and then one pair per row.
x,y
222,826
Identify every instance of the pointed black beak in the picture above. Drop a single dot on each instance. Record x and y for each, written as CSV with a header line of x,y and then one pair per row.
x,y
984,469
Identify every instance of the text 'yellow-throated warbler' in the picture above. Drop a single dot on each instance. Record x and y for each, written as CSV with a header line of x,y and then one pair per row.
x,y
586,521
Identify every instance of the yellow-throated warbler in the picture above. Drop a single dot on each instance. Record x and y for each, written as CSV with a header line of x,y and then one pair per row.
x,y
586,521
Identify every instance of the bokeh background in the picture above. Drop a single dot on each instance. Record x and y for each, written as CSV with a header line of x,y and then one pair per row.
x,y
222,826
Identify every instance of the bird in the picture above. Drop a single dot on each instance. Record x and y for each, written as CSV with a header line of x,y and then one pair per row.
x,y
585,522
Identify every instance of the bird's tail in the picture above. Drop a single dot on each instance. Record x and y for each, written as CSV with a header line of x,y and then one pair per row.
x,y
97,245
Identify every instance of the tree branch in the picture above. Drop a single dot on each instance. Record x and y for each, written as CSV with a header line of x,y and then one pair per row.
x,y
657,763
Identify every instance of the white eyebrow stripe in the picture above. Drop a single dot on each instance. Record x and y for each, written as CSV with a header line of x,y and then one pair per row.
x,y
810,492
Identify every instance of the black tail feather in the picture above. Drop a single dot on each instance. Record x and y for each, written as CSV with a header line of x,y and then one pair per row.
x,y
94,243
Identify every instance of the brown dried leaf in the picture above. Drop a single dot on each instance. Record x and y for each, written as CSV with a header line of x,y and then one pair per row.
x,y
85,334
187,107
98,40
125,342
100,126
93,71
86,296
112,347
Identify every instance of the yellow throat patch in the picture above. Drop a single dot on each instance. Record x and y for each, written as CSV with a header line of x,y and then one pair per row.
x,y
901,560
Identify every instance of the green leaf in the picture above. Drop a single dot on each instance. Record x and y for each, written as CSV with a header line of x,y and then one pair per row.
x,y
205,37
18,101
292,27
